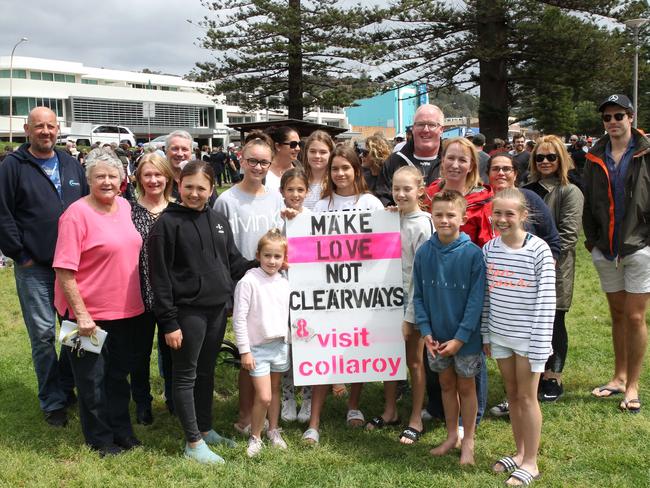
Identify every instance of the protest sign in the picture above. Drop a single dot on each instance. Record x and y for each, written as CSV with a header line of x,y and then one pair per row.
x,y
347,297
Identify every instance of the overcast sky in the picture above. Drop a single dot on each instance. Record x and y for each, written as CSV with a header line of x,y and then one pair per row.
x,y
117,34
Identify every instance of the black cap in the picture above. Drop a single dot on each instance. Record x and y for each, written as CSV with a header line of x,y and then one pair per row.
x,y
617,99
478,139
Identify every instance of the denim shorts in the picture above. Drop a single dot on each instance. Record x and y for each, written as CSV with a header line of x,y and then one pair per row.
x,y
504,352
466,366
270,357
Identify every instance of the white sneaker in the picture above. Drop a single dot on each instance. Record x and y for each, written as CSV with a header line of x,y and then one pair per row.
x,y
461,433
255,446
288,413
275,438
501,410
305,411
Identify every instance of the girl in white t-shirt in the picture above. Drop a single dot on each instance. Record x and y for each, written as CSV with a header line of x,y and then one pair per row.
x,y
293,186
345,189
315,158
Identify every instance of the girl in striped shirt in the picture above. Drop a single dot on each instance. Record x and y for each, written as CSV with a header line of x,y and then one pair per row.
x,y
517,325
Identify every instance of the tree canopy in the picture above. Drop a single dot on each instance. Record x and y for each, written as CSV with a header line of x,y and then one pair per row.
x,y
523,55
294,53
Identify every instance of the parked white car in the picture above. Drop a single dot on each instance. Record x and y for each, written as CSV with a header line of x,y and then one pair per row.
x,y
88,134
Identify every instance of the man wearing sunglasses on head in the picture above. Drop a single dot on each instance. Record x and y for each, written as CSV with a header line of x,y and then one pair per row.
x,y
616,222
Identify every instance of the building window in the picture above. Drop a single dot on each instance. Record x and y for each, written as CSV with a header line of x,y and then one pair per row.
x,y
18,73
47,76
22,105
69,78
59,77
203,117
219,115
89,82
35,75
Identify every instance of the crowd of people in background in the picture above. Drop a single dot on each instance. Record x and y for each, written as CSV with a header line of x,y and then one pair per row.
x,y
130,239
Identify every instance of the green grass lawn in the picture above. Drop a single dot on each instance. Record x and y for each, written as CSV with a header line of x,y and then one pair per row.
x,y
585,441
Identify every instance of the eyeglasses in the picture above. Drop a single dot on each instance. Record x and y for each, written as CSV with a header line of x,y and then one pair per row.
x,y
424,125
506,170
291,144
252,162
617,116
539,158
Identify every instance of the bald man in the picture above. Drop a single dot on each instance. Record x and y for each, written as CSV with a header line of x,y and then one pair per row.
x,y
37,184
421,151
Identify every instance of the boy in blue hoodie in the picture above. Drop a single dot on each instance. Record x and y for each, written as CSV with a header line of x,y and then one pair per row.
x,y
449,279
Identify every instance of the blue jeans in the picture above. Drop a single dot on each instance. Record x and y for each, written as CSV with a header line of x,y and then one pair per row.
x,y
35,288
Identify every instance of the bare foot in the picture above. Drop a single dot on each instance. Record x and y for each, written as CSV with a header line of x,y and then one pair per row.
x,y
467,452
445,447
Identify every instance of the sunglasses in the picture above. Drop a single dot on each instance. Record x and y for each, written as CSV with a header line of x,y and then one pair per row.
x,y
618,117
291,144
551,158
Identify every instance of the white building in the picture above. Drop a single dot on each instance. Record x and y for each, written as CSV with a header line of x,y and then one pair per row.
x,y
83,94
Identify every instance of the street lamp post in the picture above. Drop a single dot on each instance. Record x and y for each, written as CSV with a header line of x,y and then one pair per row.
x,y
635,25
11,94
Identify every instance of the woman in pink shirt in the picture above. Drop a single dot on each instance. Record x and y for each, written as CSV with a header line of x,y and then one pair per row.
x,y
98,286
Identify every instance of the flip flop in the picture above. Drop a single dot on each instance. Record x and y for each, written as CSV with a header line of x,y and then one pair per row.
x,y
611,391
508,464
525,477
624,406
379,423
411,433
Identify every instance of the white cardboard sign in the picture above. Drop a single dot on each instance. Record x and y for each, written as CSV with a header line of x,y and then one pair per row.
x,y
347,297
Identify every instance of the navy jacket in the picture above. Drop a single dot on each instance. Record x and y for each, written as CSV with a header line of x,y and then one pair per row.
x,y
30,206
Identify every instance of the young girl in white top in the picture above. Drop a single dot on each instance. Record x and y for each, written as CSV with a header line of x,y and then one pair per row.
x,y
415,229
345,189
260,318
517,325
293,186
315,157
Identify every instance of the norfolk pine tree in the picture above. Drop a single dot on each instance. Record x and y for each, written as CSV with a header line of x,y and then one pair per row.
x,y
507,49
298,53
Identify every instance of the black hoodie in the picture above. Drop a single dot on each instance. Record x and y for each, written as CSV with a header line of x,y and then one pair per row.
x,y
30,206
193,262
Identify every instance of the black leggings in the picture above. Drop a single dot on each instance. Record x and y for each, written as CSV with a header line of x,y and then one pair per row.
x,y
193,368
560,343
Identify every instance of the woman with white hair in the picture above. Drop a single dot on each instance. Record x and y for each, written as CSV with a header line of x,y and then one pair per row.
x,y
98,286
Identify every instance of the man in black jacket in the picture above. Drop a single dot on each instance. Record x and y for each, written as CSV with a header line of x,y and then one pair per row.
x,y
617,233
421,151
37,184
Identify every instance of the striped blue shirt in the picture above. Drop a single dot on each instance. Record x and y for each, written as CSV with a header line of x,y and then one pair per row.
x,y
519,305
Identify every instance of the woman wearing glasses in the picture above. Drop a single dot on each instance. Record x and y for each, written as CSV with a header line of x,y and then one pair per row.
x,y
252,210
286,143
549,168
